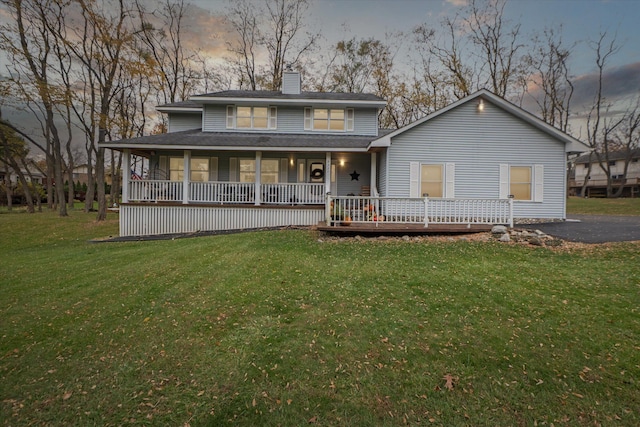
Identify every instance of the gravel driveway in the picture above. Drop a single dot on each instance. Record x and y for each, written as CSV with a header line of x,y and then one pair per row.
x,y
594,228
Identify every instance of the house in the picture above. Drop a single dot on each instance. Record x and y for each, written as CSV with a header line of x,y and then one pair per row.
x,y
593,178
251,159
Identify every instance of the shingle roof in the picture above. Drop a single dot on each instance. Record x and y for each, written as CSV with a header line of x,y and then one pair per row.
x,y
268,94
229,140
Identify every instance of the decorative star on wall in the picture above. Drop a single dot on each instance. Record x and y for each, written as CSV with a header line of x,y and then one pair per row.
x,y
354,176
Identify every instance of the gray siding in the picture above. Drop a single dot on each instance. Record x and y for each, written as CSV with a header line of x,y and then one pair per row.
x,y
361,163
184,121
382,172
477,143
291,120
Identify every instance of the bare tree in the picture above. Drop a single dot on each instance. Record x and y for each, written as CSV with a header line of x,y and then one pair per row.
x,y
28,40
549,60
273,30
601,125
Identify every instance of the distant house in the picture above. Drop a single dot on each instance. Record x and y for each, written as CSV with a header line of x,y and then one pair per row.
x,y
38,177
251,159
588,171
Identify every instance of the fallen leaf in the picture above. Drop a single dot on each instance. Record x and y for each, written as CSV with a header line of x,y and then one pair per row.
x,y
254,403
449,379
313,420
67,395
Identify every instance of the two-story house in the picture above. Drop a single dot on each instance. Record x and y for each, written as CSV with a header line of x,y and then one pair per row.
x,y
590,175
254,159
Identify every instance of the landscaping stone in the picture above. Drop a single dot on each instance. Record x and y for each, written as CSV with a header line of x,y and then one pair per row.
x,y
505,237
499,229
536,241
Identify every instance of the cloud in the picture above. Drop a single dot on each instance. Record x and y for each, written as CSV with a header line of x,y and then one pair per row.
x,y
619,85
458,3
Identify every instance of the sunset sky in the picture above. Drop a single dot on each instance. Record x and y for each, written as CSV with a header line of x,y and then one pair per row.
x,y
581,21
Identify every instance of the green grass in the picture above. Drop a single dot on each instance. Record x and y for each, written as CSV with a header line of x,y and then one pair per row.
x,y
579,205
277,328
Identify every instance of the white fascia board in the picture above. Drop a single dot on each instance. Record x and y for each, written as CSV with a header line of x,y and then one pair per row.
x,y
179,109
227,148
298,101
385,141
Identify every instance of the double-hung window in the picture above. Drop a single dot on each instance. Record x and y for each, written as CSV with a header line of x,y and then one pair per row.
x,y
242,117
201,168
329,119
432,180
525,183
269,170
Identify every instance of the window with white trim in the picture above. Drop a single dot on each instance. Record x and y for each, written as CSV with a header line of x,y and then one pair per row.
x,y
329,119
522,182
269,170
432,180
242,117
201,168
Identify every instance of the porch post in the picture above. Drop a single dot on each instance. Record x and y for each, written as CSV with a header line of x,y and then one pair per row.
x,y
126,174
258,183
374,172
186,176
327,173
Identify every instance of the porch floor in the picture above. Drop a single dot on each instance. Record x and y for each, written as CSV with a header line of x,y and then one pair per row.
x,y
382,228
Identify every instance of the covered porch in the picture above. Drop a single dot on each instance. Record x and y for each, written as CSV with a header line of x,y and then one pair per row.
x,y
281,178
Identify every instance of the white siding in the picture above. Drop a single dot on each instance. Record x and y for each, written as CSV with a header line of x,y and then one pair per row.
x,y
184,121
478,142
146,220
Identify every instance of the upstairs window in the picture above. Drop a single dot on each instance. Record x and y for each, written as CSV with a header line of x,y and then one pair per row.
x,y
251,117
328,119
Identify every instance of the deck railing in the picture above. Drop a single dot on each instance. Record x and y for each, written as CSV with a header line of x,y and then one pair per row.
x,y
399,210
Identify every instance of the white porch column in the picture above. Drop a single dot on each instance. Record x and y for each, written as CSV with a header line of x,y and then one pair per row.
x,y
126,174
186,176
327,174
258,193
374,173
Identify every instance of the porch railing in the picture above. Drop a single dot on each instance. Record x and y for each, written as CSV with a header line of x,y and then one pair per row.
x,y
155,191
376,210
222,192
226,192
293,194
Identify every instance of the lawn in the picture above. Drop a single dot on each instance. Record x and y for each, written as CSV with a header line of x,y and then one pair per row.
x,y
579,205
280,328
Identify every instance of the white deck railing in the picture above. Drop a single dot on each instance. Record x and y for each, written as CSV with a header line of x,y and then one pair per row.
x,y
293,194
155,191
226,192
222,192
418,210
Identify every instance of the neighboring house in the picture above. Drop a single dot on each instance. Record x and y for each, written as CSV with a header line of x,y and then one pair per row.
x,y
587,169
38,177
251,159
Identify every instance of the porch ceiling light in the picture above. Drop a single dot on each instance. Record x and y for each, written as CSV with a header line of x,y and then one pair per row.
x,y
341,162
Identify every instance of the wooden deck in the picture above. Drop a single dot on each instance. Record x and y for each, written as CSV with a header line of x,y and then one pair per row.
x,y
402,229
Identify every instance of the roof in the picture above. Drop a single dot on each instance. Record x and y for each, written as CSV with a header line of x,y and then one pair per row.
x,y
613,155
245,141
572,145
277,97
180,106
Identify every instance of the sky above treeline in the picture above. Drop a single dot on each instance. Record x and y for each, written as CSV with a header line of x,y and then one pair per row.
x,y
579,21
